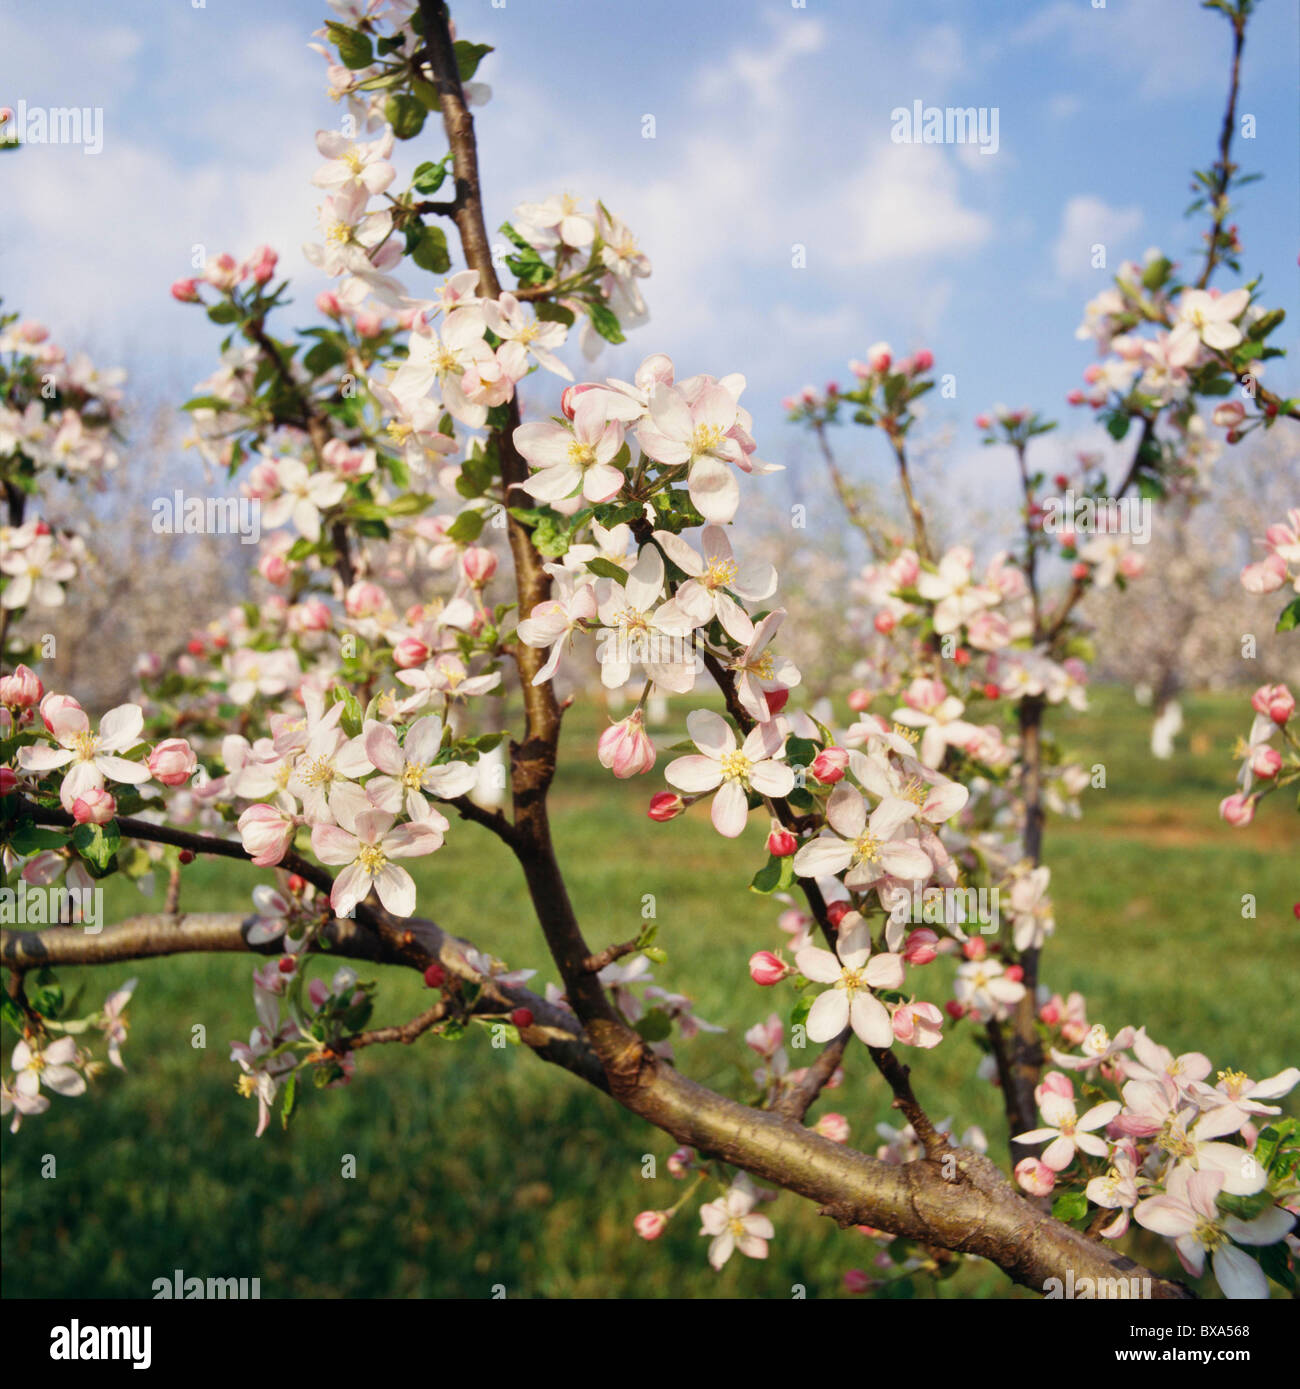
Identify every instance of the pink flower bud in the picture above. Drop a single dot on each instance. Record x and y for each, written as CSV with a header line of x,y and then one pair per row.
x,y
679,1163
1079,572
1237,810
829,764
923,360
368,325
478,565
364,599
879,357
569,397
766,969
21,690
1266,763
8,780
94,807
222,271
266,834
1015,973
650,1224
975,948
408,652
856,1281
859,700
1275,702
1035,1176
1050,1013
173,762
625,748
1229,414
260,266
327,302
186,291
1132,565
273,568
781,843
885,623
833,1126
57,706
921,946
983,422
665,805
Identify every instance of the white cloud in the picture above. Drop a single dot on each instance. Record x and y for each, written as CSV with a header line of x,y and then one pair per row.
x,y
1086,222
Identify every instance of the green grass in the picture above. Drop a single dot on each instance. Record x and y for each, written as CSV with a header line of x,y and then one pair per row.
x,y
476,1167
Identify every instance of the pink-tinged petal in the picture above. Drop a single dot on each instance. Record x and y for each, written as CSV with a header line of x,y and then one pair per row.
x,y
694,774
828,1016
714,490
900,858
334,845
386,793
1091,1144
771,778
382,749
854,945
1059,1154
602,482
761,1226
1099,1115
1242,1173
119,769
411,841
823,857
1238,1275
846,811
818,965
730,809
871,1020
120,728
1165,1216
670,414
396,889
1035,1136
1266,1228
681,554
554,484
63,1080
710,732
350,887
721,1249
450,779
885,971
40,757
763,741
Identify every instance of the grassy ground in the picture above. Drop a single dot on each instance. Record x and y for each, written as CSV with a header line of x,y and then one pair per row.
x,y
477,1167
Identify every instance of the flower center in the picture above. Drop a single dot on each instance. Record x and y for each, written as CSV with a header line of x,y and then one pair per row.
x,y
1208,1235
707,438
915,791
735,766
910,734
866,848
1173,1140
736,1225
851,981
372,858
584,455
318,772
413,775
84,745
1235,1082
720,573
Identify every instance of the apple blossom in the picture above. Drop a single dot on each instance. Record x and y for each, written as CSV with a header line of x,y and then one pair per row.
x,y
853,976
367,849
731,771
731,1224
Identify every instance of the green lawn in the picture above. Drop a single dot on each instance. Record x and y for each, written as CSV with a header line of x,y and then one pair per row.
x,y
476,1167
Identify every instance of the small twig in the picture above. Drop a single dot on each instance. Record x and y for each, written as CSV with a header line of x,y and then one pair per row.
x,y
593,964
406,1032
798,1099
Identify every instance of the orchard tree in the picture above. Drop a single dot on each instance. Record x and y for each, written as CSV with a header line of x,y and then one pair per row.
x,y
324,737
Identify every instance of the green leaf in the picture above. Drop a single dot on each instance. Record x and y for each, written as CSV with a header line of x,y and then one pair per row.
x,y
290,1096
1290,617
429,177
351,722
466,528
12,1014
322,357
45,993
30,839
607,569
469,56
656,1026
405,114
605,321
1070,1206
355,48
224,312
1117,425
553,313
428,249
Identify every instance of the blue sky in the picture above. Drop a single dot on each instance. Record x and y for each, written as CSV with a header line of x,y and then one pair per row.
x,y
772,130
